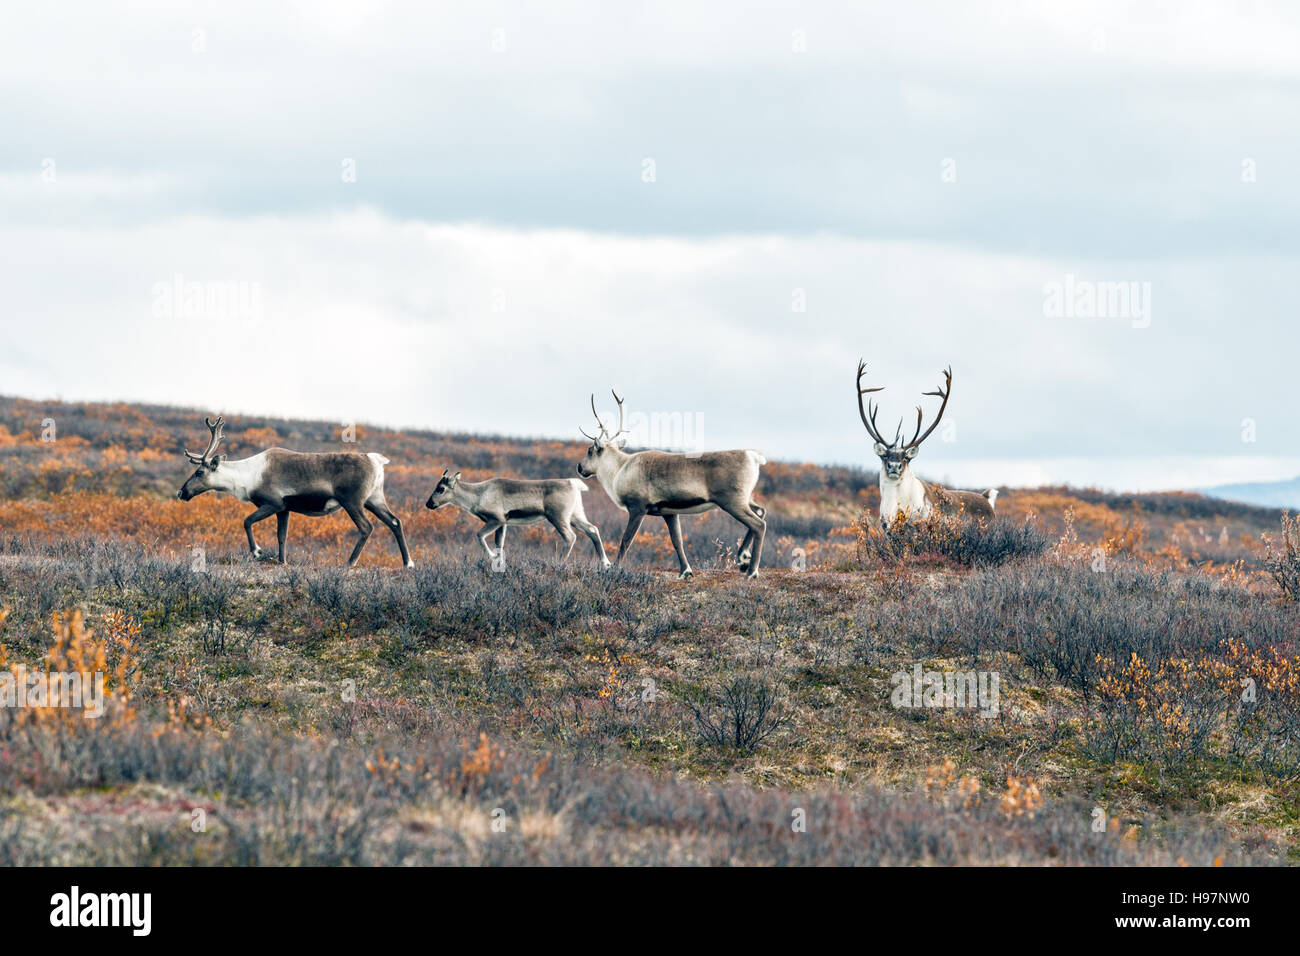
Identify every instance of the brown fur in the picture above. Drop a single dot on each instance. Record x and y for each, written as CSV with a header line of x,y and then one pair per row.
x,y
946,501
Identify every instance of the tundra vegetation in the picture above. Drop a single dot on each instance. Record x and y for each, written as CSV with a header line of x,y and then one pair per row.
x,y
1146,649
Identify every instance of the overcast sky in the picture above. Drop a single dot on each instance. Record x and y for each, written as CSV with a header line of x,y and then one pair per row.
x,y
472,218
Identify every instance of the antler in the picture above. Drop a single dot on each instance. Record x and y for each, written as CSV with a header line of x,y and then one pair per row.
x,y
605,436
869,422
943,391
216,429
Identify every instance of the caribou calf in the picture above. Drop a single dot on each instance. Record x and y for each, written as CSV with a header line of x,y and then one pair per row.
x,y
501,502
281,482
671,485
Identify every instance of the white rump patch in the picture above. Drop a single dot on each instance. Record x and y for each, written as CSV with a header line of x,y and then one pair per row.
x,y
579,484
992,496
756,456
378,485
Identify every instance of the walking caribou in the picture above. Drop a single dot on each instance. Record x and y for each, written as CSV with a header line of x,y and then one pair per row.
x,y
501,502
901,492
281,482
671,485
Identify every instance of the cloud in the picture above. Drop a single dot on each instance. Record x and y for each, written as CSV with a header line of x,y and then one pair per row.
x,y
1083,129
917,176
360,317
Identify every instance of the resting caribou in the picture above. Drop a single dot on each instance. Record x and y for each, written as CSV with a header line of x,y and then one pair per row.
x,y
281,482
501,502
901,492
670,485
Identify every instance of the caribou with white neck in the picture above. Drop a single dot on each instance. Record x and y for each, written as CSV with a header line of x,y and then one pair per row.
x,y
901,492
282,482
671,485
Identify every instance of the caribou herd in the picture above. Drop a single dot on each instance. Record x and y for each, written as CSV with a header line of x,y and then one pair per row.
x,y
281,482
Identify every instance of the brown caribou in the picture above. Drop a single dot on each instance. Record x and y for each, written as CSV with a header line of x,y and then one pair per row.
x,y
671,485
282,482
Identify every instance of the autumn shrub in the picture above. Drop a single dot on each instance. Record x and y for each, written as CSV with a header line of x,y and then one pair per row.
x,y
1240,704
1264,724
1163,711
739,716
1123,537
1061,620
1282,559
953,538
75,650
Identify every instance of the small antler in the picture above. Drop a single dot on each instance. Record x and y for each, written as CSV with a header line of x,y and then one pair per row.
x,y
943,391
868,420
216,428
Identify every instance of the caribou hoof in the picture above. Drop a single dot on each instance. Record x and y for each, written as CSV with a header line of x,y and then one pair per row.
x,y
257,554
687,575
410,564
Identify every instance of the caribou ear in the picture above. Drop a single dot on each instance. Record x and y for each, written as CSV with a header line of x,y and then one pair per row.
x,y
910,453
880,450
456,477
619,442
217,459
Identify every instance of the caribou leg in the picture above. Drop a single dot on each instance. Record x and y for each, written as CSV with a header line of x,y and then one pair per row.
x,y
379,509
364,527
282,530
747,515
634,519
261,514
674,523
745,555
565,532
490,526
592,532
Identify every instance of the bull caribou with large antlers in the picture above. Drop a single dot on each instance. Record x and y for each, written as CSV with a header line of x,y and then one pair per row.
x,y
670,485
901,492
281,482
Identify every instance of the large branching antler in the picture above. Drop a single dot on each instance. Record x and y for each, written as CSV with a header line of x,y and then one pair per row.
x,y
869,411
869,420
216,429
943,391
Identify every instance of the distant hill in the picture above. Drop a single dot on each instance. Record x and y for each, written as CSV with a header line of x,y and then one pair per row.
x,y
77,465
1269,494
